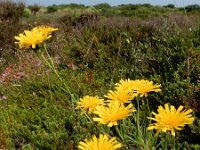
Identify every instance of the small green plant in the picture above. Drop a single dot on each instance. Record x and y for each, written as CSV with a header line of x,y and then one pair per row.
x,y
51,9
34,9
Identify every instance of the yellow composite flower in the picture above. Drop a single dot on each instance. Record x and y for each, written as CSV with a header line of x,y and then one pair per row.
x,y
45,29
170,119
101,143
143,87
89,103
123,91
31,38
119,95
115,112
125,84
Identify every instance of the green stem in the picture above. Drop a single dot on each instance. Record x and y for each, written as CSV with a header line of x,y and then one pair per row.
x,y
166,141
147,104
140,138
138,118
91,120
119,133
147,111
174,143
50,63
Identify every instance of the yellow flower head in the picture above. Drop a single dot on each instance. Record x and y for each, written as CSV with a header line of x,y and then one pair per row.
x,y
119,95
115,112
142,87
31,38
123,91
101,143
89,103
125,84
45,29
170,119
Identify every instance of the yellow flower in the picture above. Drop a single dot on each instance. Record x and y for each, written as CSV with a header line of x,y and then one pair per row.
x,y
89,103
125,84
45,29
123,92
31,38
119,95
170,119
101,143
142,87
115,112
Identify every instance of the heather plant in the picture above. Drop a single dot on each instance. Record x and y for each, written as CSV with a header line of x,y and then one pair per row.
x,y
34,9
51,9
190,8
74,6
131,48
10,15
10,12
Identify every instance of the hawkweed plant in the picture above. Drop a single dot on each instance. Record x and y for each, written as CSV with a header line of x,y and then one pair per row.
x,y
104,142
35,39
170,119
120,115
